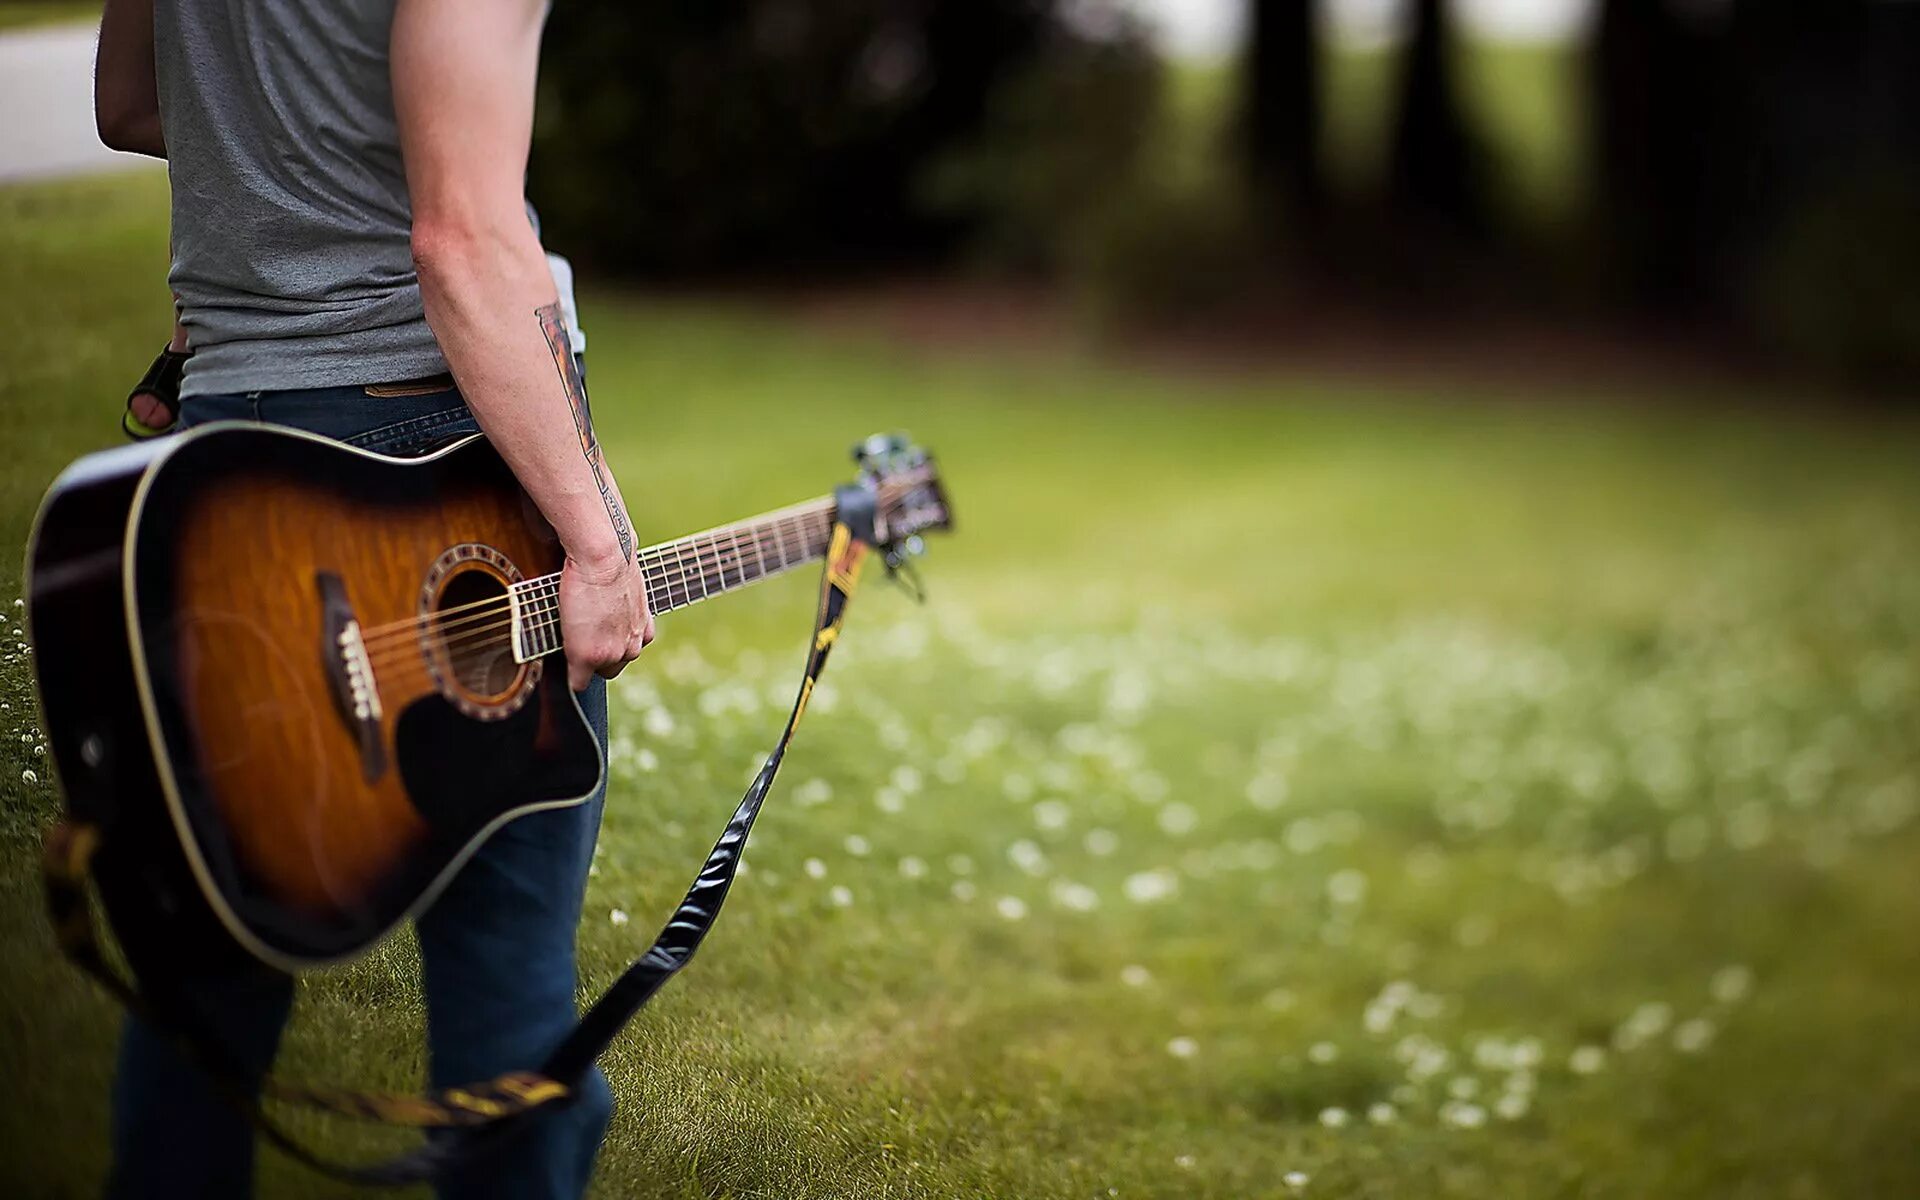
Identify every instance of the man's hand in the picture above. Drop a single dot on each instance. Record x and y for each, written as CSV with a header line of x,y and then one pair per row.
x,y
604,621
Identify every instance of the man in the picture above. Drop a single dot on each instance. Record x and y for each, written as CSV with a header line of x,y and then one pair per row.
x,y
352,254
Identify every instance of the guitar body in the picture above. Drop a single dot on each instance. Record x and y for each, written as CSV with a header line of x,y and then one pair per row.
x,y
276,675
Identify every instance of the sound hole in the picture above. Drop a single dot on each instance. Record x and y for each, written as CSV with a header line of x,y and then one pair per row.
x,y
476,635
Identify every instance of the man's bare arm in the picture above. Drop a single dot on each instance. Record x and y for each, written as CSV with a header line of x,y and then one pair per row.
x,y
126,98
463,86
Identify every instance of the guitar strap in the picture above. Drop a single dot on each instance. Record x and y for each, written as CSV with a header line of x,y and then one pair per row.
x,y
469,1121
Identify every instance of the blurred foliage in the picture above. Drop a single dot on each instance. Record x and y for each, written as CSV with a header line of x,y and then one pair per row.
x,y
1681,164
1167,250
1837,283
698,135
1057,139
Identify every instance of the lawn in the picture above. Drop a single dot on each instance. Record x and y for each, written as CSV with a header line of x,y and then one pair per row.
x,y
1292,786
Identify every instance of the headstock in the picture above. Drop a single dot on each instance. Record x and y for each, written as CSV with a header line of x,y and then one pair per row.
x,y
906,484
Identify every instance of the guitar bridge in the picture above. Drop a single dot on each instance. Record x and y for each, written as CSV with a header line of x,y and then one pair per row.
x,y
356,694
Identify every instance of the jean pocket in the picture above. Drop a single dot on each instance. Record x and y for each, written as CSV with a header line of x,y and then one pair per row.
x,y
417,435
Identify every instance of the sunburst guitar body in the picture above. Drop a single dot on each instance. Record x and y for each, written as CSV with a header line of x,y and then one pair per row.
x,y
295,685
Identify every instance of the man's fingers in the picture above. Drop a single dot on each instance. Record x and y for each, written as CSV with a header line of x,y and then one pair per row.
x,y
148,410
579,675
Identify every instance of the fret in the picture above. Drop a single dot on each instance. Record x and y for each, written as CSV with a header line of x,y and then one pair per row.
x,y
759,555
685,571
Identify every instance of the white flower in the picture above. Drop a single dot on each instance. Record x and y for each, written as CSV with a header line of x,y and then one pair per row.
x,y
1731,984
889,800
1135,975
1526,1053
1382,1113
1322,1052
1347,887
1051,814
646,759
963,890
1076,896
815,869
1463,1087
1691,1037
812,792
1462,1115
1296,1179
906,778
1028,857
840,895
1147,887
1512,1106
1101,842
1178,819
1013,908
618,916
857,845
1333,1117
1587,1060
1183,1047
913,868
1644,1024
29,776
1184,1160
1279,999
1267,791
658,722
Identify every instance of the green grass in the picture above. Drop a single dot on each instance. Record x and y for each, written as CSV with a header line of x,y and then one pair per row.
x,y
1269,746
34,14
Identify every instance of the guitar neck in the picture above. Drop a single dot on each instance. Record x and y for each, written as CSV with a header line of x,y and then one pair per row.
x,y
688,570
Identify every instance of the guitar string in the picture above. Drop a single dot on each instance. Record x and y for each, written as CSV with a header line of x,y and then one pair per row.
x,y
541,612
662,594
664,589
539,622
673,553
708,547
713,563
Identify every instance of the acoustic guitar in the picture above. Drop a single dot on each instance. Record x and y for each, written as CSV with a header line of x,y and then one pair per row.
x,y
296,684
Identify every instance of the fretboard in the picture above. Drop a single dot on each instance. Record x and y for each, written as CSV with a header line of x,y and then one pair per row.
x,y
688,570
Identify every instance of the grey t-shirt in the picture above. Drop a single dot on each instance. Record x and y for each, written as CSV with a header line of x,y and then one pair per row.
x,y
291,223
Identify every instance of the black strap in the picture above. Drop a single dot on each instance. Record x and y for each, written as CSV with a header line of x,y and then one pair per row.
x,y
162,382
479,1117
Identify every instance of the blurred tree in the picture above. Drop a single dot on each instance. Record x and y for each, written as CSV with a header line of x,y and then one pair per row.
x,y
1436,169
1279,118
1653,103
701,135
1758,162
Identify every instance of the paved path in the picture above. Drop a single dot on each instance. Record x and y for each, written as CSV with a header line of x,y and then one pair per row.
x,y
46,92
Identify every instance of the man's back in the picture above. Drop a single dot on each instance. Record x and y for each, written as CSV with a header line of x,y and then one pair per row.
x,y
290,214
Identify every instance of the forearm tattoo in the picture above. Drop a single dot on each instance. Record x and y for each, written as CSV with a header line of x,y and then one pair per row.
x,y
553,323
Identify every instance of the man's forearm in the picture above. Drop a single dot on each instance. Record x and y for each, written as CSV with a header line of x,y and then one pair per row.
x,y
491,303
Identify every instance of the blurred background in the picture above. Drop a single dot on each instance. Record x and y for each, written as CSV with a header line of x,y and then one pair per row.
x,y
1423,697
1734,178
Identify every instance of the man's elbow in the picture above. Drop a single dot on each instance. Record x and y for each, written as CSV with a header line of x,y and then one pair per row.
x,y
452,252
125,126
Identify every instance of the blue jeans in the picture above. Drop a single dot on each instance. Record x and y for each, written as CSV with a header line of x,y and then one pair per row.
x,y
496,948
